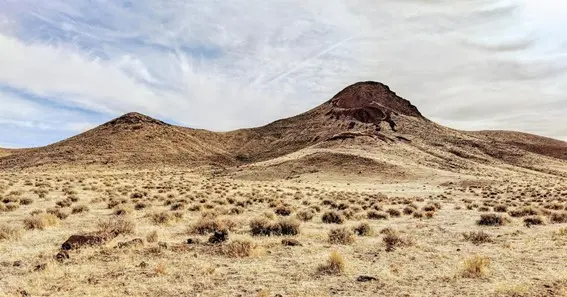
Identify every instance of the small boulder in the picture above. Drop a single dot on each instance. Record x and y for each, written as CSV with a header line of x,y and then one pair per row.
x,y
193,241
79,241
291,242
129,244
219,236
365,278
62,256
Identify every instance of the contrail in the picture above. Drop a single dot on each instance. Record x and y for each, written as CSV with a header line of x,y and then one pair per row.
x,y
304,62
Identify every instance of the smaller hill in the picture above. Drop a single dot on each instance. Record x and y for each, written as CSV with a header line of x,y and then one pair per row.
x,y
132,139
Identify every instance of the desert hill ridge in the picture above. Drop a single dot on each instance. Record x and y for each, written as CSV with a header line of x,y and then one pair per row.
x,y
366,117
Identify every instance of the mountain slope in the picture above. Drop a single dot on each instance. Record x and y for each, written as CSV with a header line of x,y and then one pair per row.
x,y
366,118
132,139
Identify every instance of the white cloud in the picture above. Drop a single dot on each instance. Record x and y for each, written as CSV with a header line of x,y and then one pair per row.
x,y
228,64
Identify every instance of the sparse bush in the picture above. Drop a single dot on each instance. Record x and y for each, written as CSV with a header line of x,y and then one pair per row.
x,y
58,212
377,215
206,226
332,217
40,221
393,240
26,201
164,218
117,226
475,267
429,207
341,236
394,212
477,238
261,227
152,236
500,208
492,219
533,220
239,248
363,229
283,210
80,209
122,210
408,210
305,215
558,217
140,205
335,265
265,227
523,212
10,233
11,206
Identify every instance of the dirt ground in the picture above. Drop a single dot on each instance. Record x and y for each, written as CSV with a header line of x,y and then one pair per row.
x,y
315,235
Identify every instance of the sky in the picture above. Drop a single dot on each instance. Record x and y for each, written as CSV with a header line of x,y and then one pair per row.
x,y
69,65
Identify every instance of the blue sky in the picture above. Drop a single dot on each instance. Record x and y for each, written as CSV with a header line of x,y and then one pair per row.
x,y
67,66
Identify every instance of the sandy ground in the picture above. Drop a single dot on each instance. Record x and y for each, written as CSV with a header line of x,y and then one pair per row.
x,y
429,255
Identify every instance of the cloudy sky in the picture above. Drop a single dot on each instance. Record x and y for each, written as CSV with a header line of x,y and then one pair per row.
x,y
68,65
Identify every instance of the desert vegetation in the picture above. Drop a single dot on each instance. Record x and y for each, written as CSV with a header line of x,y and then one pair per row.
x,y
177,233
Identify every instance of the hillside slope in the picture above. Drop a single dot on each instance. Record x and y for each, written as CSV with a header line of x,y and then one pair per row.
x,y
366,118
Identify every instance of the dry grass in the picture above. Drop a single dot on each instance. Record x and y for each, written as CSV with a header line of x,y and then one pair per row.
x,y
240,248
10,233
475,267
335,265
175,257
478,237
117,226
41,221
341,235
492,219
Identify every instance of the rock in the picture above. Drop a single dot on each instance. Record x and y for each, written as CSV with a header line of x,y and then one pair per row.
x,y
62,256
291,242
79,241
365,278
219,237
132,243
193,241
18,263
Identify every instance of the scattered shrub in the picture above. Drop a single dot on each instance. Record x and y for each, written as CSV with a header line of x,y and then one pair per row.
x,y
10,233
283,210
265,227
152,236
335,265
341,236
117,226
332,217
80,209
477,238
207,225
305,215
363,229
376,215
492,219
239,248
476,266
393,240
533,220
58,212
26,201
394,212
40,221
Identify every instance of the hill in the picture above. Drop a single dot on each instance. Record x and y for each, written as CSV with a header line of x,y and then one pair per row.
x,y
364,123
